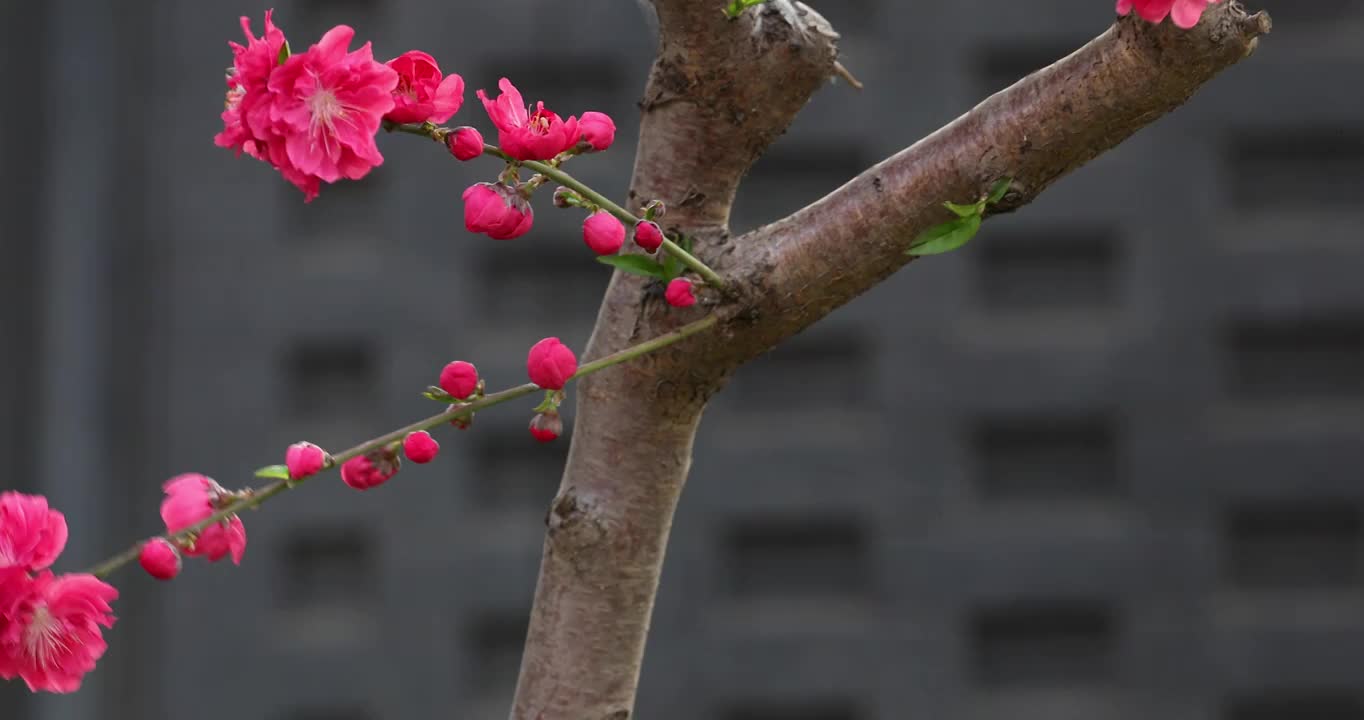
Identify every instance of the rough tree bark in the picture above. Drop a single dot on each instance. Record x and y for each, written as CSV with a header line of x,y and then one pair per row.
x,y
720,92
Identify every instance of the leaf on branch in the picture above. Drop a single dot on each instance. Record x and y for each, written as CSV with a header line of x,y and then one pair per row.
x,y
945,237
997,192
737,7
634,264
278,472
964,211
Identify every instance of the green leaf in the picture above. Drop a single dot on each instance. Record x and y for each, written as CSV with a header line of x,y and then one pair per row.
x,y
684,242
998,191
964,211
437,394
635,264
672,267
945,237
278,472
284,52
736,7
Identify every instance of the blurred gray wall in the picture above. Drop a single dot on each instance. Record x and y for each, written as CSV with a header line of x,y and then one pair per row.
x,y
1103,463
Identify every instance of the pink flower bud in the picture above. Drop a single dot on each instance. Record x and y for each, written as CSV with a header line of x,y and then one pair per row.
x,y
648,236
304,459
679,293
550,364
603,233
546,426
460,379
496,210
371,469
160,559
423,93
465,143
420,447
192,498
598,129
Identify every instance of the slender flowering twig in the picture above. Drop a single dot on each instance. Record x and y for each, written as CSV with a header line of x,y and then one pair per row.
x,y
552,172
255,497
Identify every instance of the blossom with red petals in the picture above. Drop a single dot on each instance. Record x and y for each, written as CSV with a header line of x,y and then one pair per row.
x,y
371,469
526,135
50,628
420,447
648,235
423,94
679,293
465,143
496,210
32,534
246,115
546,426
160,559
459,378
603,233
598,129
328,104
550,364
304,459
1184,13
190,499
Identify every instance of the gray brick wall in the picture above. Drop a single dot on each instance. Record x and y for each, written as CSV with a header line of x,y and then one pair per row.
x,y
1103,463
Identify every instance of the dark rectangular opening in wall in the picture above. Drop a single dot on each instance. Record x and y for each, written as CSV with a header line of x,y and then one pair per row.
x,y
553,285
1319,359
331,378
1285,545
798,558
1061,270
832,709
792,175
516,477
819,370
1296,168
328,566
1047,458
1045,645
494,647
1296,705
1001,66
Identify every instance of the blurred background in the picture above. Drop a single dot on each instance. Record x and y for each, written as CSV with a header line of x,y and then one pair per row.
x,y
1103,463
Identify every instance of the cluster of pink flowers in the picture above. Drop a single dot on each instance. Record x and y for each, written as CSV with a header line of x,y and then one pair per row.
x,y
50,625
1184,13
314,115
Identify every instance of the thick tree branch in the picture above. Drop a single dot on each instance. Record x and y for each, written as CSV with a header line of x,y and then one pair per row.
x,y
1041,128
720,92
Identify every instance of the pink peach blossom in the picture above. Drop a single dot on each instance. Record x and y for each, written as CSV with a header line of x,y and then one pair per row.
x,y
550,364
422,94
50,628
526,135
603,233
248,94
679,293
648,235
420,447
192,498
459,378
32,535
328,104
497,210
598,129
160,559
371,469
304,459
1184,13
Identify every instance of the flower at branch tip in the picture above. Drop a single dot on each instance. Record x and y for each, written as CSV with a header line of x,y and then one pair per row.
x,y
190,499
550,364
372,469
648,235
160,559
459,378
420,447
32,534
679,293
546,426
465,143
327,104
422,94
496,210
50,627
598,129
603,233
304,459
1184,13
526,135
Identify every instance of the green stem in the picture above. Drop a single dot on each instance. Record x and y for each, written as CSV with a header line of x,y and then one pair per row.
x,y
554,173
256,497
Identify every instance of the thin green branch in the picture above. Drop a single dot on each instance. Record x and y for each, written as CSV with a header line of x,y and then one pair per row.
x,y
554,173
257,496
